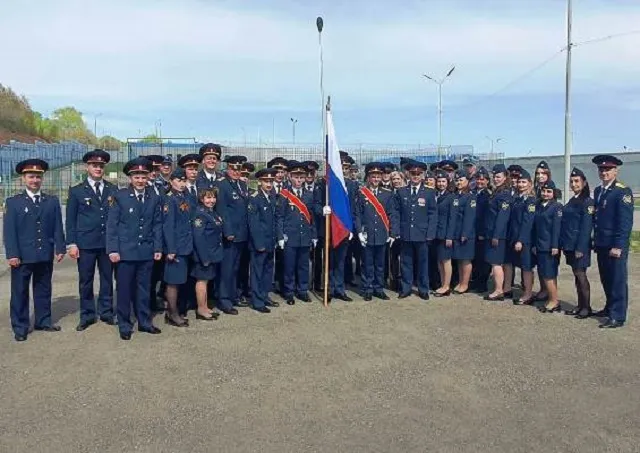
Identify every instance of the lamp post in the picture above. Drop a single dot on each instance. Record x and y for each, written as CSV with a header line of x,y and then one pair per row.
x,y
440,82
294,121
95,124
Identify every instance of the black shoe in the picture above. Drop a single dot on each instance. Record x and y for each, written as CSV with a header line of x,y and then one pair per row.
x,y
84,325
455,291
600,314
291,300
540,298
304,297
444,294
242,303
403,295
262,310
380,295
491,298
611,324
108,321
583,314
125,336
272,303
20,337
229,311
153,330
555,309
172,322
508,295
423,296
367,297
207,318
523,301
52,328
343,297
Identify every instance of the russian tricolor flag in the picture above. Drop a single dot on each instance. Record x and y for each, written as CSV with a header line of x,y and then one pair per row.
x,y
341,220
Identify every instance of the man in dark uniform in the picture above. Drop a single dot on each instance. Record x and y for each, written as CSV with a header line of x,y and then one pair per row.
x,y
190,163
386,175
310,180
154,180
354,248
376,222
164,172
470,164
209,176
157,184
418,222
449,167
33,237
244,293
481,269
232,207
134,243
280,182
262,240
612,232
86,225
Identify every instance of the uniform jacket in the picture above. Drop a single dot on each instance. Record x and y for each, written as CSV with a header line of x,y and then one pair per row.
x,y
546,230
368,221
176,224
577,225
482,205
134,229
418,214
613,217
523,213
232,207
497,217
191,198
203,182
445,212
207,236
33,233
86,222
262,221
291,225
462,222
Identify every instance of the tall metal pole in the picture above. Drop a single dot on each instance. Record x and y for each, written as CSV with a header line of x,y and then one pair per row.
x,y
567,107
293,129
440,118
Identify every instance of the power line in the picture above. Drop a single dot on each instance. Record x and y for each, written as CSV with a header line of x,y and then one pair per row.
x,y
605,38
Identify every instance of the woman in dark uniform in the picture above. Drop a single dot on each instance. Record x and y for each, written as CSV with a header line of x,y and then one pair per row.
x,y
575,240
444,238
496,229
463,224
546,231
523,211
207,254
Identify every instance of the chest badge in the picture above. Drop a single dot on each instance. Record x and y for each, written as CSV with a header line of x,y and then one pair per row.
x,y
422,202
184,206
130,210
26,209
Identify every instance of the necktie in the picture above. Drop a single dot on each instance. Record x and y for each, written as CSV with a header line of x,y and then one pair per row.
x,y
140,198
192,189
98,191
414,191
36,200
298,193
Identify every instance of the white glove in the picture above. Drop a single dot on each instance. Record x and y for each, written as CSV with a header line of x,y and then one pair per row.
x,y
326,210
390,240
363,239
281,243
350,236
314,242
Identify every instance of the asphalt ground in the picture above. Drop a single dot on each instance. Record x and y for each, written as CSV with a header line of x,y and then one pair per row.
x,y
456,374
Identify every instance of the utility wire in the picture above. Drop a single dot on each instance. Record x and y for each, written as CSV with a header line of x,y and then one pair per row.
x,y
605,38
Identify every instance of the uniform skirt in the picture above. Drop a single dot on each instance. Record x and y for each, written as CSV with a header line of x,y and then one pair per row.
x,y
523,259
464,251
444,253
577,263
201,272
547,265
175,272
496,256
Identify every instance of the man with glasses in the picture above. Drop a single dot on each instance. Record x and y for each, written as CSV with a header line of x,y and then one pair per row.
x,y
612,231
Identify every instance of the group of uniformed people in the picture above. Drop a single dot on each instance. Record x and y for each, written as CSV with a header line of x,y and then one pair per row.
x,y
179,237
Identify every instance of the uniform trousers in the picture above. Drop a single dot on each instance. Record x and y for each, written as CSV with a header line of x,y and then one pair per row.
x,y
261,275
132,280
415,254
613,276
296,270
87,262
39,274
229,273
373,265
336,268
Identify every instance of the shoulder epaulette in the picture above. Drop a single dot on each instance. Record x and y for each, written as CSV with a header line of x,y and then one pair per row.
x,y
169,194
255,194
620,185
384,188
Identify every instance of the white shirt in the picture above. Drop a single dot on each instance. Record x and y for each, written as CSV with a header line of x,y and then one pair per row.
x,y
138,194
92,183
210,176
32,195
189,186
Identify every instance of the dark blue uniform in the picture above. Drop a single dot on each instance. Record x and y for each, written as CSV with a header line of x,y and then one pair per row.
x,y
481,269
232,207
575,232
354,252
613,225
32,233
370,223
497,225
177,237
207,243
297,232
523,213
134,231
262,243
206,181
463,226
546,234
418,222
443,230
86,227
278,276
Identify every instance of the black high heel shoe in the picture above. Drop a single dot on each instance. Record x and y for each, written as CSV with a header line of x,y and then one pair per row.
x,y
444,294
491,298
172,322
206,318
556,309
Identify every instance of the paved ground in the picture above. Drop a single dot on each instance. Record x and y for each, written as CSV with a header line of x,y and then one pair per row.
x,y
453,375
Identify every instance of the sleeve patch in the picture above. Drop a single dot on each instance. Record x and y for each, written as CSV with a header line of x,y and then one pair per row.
x,y
165,208
627,199
472,203
111,200
456,202
197,222
251,207
559,213
532,208
591,210
505,205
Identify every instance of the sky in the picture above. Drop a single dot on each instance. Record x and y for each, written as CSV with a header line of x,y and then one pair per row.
x,y
236,71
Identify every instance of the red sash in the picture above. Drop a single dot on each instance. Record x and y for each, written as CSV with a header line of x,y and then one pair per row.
x,y
297,203
376,205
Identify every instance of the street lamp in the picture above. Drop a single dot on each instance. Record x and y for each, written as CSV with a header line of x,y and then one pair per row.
x,y
95,124
294,121
440,82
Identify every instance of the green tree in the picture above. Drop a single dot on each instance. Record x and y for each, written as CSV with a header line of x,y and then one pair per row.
x,y
72,126
151,138
109,143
